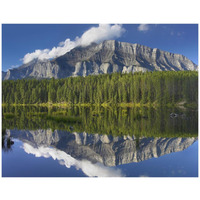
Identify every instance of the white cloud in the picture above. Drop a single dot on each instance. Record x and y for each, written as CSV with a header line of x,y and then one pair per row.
x,y
143,27
180,33
101,33
174,33
13,66
65,159
94,34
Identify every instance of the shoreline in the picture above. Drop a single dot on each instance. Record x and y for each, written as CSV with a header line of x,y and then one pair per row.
x,y
122,105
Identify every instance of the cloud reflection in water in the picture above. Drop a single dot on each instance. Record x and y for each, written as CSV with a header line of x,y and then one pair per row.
x,y
88,168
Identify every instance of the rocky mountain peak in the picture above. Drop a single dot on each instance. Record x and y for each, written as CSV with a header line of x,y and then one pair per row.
x,y
107,57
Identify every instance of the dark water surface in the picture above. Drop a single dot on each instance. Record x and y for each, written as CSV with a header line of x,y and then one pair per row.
x,y
99,142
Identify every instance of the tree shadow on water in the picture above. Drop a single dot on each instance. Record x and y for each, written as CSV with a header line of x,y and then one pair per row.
x,y
7,142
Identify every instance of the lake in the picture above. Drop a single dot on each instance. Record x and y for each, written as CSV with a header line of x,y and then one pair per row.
x,y
99,142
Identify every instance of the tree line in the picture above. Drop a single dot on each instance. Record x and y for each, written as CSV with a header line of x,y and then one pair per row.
x,y
161,88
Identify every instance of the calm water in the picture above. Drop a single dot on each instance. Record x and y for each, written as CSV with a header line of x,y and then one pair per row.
x,y
99,142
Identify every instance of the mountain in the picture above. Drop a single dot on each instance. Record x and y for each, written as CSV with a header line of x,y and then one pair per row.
x,y
106,149
107,57
3,74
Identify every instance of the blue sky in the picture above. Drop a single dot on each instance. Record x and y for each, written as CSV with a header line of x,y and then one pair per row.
x,y
20,39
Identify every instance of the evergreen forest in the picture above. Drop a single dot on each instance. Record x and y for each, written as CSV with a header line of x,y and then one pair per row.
x,y
158,88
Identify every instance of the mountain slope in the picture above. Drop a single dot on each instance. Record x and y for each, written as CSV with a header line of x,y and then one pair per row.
x,y
107,57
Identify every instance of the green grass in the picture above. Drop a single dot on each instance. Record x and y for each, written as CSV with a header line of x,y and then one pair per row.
x,y
105,104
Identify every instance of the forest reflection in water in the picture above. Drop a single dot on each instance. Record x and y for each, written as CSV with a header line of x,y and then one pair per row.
x,y
138,121
98,138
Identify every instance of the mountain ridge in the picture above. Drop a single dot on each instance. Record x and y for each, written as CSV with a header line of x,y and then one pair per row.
x,y
107,57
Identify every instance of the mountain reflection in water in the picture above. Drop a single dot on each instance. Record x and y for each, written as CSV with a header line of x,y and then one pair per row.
x,y
79,148
88,168
102,142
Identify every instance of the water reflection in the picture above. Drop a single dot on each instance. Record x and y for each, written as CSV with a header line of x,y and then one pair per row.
x,y
90,169
7,141
109,150
144,121
102,140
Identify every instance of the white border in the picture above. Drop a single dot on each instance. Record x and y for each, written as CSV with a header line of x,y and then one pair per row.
x,y
104,11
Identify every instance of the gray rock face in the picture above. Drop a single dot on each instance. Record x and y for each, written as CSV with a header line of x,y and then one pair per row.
x,y
107,57
3,74
109,150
